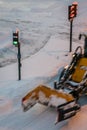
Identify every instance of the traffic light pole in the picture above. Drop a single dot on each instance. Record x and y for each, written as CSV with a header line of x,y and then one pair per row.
x,y
17,44
71,25
72,13
19,62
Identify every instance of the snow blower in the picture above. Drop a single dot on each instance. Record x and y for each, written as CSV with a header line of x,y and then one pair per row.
x,y
70,85
52,98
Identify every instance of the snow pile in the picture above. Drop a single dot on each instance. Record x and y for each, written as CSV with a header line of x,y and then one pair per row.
x,y
55,101
42,98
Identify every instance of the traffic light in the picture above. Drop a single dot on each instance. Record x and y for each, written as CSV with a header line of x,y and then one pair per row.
x,y
72,11
15,38
75,4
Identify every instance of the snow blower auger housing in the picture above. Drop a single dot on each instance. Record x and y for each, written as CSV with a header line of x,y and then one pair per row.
x,y
45,95
64,102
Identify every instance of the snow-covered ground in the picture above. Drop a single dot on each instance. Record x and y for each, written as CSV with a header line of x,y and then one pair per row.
x,y
36,70
50,31
37,21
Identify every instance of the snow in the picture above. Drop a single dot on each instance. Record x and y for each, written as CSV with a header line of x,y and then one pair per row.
x,y
79,121
40,60
12,91
35,70
55,101
43,98
39,68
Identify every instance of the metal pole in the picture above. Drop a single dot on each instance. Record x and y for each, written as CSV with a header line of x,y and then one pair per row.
x,y
19,62
71,24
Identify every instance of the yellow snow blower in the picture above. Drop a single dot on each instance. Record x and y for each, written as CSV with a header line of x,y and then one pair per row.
x,y
52,98
70,85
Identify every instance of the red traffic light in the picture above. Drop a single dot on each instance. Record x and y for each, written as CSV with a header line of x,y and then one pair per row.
x,y
75,4
72,11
